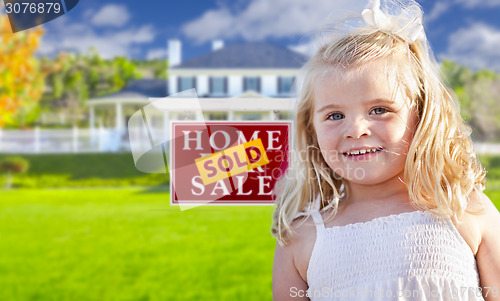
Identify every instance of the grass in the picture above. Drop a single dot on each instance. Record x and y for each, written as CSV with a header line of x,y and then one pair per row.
x,y
130,245
492,165
84,170
83,166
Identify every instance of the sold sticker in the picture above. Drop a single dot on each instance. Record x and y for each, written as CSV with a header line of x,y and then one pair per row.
x,y
232,161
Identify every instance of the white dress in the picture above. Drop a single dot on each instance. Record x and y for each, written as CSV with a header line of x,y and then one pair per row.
x,y
408,256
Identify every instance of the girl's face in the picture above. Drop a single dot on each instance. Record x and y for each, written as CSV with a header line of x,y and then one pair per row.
x,y
363,126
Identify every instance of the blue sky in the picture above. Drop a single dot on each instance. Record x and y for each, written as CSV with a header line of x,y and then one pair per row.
x,y
467,31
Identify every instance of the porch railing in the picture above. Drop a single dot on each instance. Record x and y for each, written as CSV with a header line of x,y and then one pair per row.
x,y
75,140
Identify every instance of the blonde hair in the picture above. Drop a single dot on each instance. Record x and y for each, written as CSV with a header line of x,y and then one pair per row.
x,y
441,168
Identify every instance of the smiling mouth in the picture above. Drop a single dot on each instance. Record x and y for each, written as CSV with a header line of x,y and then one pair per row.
x,y
363,152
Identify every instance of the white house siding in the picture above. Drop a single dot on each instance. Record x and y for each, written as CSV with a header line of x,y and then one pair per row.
x,y
172,84
235,85
268,80
251,115
202,86
269,85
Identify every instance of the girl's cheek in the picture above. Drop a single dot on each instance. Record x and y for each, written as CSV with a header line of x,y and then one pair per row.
x,y
396,129
326,133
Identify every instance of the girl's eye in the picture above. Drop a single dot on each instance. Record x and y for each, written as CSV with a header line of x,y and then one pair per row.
x,y
379,111
335,116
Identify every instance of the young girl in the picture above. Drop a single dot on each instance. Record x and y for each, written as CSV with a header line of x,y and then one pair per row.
x,y
383,197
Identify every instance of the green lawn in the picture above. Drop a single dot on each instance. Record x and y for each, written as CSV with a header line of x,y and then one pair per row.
x,y
82,166
83,170
129,244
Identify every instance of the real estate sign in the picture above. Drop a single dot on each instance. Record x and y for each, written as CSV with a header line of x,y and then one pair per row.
x,y
227,162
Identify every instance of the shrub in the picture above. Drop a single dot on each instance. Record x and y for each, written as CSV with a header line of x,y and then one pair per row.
x,y
13,165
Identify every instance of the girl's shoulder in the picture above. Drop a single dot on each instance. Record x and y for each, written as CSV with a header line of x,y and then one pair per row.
x,y
291,259
487,240
477,221
302,243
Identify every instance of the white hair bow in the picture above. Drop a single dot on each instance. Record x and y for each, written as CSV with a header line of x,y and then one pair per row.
x,y
408,25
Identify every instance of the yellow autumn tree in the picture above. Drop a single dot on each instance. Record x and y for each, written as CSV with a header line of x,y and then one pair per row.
x,y
21,79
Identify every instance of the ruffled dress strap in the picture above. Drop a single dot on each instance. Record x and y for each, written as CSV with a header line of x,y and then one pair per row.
x,y
313,210
318,220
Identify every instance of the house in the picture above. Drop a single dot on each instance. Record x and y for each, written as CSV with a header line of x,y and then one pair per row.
x,y
260,75
250,70
230,71
115,109
241,81
112,112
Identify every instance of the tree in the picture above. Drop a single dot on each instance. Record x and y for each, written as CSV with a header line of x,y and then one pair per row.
x,y
80,77
160,71
483,93
458,78
456,75
21,79
478,93
13,165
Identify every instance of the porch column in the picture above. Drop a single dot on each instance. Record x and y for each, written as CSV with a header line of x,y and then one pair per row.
x,y
166,125
119,116
199,115
276,115
92,119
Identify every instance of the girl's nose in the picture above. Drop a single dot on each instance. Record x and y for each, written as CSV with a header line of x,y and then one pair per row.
x,y
358,128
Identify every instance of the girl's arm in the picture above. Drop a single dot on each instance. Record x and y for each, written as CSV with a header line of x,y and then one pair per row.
x,y
287,282
488,254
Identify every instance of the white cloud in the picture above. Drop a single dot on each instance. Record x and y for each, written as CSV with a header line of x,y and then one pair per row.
x,y
263,19
61,34
157,53
209,26
475,46
114,15
311,46
304,48
479,3
439,9
88,14
444,6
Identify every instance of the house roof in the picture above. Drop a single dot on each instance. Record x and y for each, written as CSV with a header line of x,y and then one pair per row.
x,y
141,88
136,92
247,56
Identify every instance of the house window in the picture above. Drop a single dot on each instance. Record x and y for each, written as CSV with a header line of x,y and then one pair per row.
x,y
251,83
186,115
251,116
217,116
285,84
218,85
284,116
186,83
